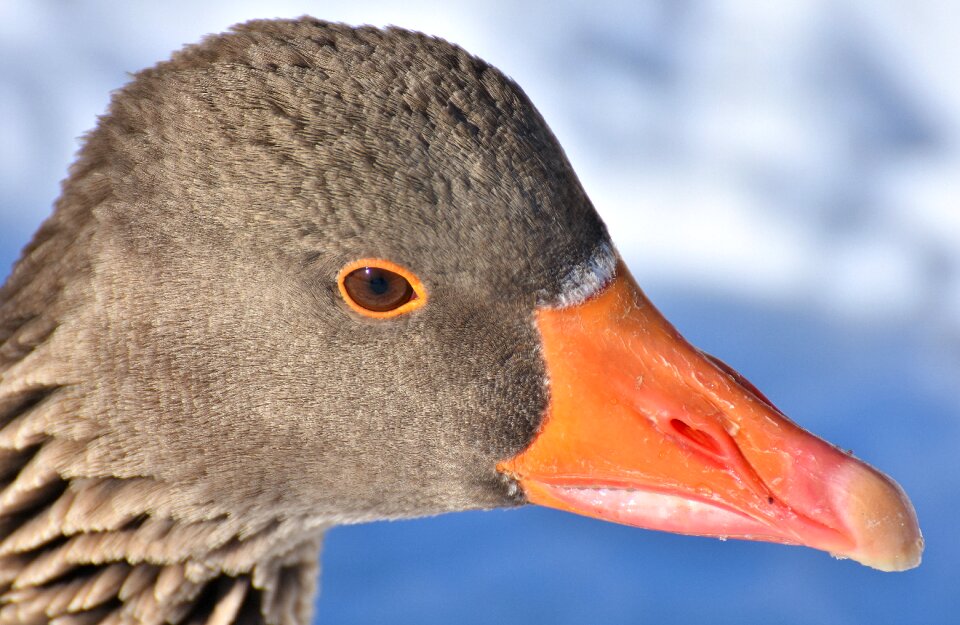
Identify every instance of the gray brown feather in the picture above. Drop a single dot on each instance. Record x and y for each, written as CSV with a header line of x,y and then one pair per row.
x,y
186,404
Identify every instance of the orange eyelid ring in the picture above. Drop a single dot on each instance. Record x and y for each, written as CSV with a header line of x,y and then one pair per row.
x,y
416,300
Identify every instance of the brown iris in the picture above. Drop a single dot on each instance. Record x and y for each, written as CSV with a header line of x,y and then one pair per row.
x,y
379,288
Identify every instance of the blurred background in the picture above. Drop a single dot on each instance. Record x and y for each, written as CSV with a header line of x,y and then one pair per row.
x,y
783,179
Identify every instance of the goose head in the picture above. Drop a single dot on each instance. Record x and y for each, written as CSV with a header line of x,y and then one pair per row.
x,y
302,275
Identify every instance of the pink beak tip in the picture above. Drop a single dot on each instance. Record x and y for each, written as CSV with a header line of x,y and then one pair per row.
x,y
880,518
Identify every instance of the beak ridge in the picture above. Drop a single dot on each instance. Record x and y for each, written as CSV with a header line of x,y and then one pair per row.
x,y
646,430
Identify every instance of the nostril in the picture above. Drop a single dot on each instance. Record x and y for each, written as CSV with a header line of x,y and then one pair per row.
x,y
698,438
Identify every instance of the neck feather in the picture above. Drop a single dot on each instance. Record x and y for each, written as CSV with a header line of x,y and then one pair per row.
x,y
84,545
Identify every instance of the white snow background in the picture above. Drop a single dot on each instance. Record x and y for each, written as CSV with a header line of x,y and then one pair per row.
x,y
783,179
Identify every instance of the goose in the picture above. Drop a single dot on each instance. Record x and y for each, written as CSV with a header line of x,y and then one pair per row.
x,y
304,274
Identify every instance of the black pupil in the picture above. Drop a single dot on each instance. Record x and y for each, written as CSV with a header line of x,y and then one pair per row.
x,y
378,290
378,283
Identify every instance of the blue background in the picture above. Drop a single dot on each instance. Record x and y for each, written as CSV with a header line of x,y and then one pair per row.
x,y
782,179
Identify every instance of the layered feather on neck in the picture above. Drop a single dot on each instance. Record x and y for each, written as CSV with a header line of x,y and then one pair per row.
x,y
80,544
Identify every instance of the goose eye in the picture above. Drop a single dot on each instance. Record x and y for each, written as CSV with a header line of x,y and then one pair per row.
x,y
380,289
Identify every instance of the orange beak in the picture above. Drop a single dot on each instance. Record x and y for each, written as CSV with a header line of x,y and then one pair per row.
x,y
646,430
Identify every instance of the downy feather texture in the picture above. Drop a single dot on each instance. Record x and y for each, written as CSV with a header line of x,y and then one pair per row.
x,y
186,405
